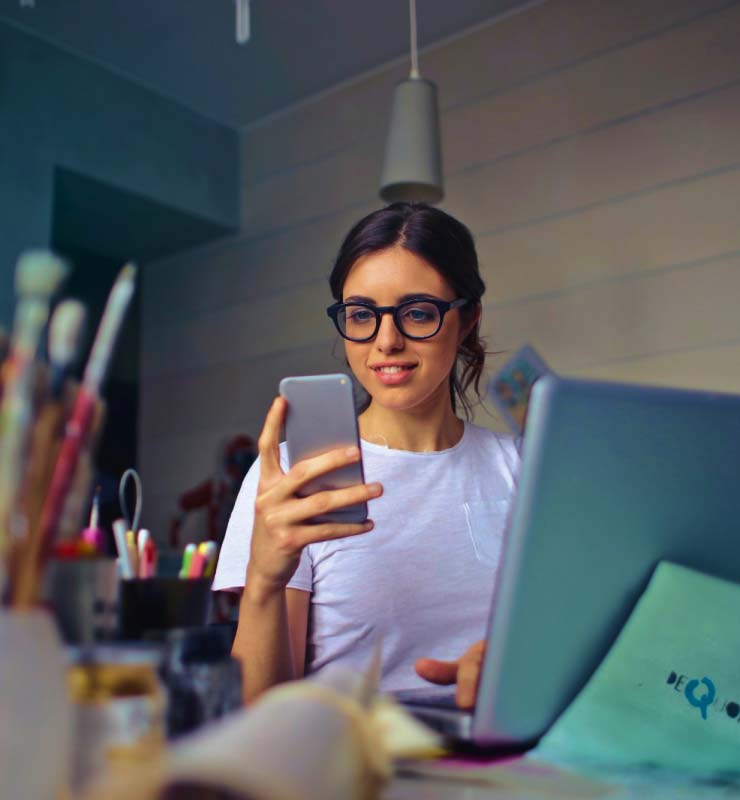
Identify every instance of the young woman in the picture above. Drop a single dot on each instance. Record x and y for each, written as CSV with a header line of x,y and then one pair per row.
x,y
420,574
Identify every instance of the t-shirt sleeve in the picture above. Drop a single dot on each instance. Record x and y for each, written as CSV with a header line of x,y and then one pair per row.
x,y
231,570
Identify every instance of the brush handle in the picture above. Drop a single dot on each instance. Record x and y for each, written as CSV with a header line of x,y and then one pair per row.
x,y
41,541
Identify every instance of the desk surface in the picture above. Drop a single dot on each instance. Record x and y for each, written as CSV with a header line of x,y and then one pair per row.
x,y
434,789
409,788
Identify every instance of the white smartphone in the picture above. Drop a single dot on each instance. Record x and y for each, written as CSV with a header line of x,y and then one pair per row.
x,y
321,417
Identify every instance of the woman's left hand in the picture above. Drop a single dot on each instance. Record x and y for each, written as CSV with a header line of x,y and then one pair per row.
x,y
465,672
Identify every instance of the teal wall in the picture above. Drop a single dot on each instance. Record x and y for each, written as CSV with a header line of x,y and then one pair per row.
x,y
57,110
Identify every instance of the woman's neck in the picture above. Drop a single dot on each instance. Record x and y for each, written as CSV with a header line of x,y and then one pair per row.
x,y
418,431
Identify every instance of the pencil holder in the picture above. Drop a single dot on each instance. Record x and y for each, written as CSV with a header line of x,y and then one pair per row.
x,y
203,680
149,607
83,594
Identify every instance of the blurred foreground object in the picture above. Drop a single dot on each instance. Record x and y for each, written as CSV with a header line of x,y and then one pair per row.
x,y
118,708
327,738
35,715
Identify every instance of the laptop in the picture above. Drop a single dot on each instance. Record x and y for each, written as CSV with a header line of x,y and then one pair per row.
x,y
614,478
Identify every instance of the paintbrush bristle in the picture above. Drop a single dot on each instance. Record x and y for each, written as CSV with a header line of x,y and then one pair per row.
x,y
39,273
65,332
109,328
128,271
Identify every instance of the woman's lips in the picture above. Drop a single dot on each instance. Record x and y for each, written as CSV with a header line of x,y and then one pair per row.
x,y
393,374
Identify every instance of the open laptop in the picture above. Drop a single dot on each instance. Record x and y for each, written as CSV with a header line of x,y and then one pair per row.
x,y
614,478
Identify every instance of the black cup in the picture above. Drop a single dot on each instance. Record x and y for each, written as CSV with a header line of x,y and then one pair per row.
x,y
203,680
149,607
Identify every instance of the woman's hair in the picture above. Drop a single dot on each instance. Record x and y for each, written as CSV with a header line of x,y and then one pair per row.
x,y
445,244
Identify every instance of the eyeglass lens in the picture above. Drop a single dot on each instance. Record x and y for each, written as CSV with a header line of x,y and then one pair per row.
x,y
418,319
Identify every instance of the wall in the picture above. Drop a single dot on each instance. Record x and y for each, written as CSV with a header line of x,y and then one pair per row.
x,y
60,110
593,147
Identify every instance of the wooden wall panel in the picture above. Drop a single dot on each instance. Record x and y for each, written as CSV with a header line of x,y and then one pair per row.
x,y
714,367
660,229
679,62
242,269
610,163
236,395
689,306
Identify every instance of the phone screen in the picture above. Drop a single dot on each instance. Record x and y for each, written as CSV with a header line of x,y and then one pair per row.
x,y
321,416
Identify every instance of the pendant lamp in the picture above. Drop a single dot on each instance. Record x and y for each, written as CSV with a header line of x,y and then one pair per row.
x,y
412,168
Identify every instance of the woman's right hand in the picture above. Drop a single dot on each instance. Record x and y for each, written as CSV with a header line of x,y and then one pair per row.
x,y
281,528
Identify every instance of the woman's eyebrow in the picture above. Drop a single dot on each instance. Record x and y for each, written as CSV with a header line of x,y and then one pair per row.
x,y
356,298
418,296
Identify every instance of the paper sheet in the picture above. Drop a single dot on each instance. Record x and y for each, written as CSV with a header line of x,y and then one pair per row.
x,y
667,695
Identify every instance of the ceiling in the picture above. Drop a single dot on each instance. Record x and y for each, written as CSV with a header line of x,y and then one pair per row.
x,y
186,49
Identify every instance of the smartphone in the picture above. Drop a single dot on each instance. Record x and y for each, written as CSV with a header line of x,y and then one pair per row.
x,y
320,417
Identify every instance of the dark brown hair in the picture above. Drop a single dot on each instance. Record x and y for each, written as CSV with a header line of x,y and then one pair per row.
x,y
445,244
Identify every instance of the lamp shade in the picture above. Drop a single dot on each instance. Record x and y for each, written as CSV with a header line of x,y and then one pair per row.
x,y
412,169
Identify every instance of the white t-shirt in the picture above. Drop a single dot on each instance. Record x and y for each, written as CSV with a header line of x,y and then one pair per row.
x,y
421,579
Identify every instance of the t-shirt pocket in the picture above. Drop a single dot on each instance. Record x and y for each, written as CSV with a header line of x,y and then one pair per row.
x,y
486,524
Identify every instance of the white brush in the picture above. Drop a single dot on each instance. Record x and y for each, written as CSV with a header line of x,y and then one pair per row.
x,y
65,336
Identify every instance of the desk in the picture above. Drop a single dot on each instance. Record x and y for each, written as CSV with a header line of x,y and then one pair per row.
x,y
410,788
407,788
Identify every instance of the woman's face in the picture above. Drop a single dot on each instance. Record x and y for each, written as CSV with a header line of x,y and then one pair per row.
x,y
400,373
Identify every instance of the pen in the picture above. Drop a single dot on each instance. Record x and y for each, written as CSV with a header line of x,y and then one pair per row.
x,y
124,561
187,558
211,551
133,554
92,534
147,554
197,563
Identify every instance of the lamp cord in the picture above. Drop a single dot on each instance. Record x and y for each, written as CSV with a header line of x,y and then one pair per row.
x,y
414,55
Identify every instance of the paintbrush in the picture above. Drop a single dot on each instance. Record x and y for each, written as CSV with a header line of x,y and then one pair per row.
x,y
4,344
77,432
38,276
65,336
66,329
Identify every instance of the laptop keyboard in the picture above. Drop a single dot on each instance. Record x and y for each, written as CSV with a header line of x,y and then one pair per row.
x,y
423,697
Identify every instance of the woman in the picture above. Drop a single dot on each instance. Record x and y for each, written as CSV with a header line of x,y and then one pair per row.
x,y
420,575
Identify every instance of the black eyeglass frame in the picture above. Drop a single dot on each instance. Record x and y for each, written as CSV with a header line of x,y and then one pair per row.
x,y
443,306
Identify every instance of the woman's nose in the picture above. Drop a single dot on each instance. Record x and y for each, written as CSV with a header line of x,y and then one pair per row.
x,y
388,337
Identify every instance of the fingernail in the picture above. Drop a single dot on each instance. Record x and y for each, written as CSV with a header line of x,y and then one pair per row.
x,y
352,452
375,488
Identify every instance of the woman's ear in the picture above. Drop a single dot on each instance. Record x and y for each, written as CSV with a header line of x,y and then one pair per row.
x,y
473,318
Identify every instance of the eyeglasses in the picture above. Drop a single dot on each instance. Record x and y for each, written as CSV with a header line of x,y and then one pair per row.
x,y
415,319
